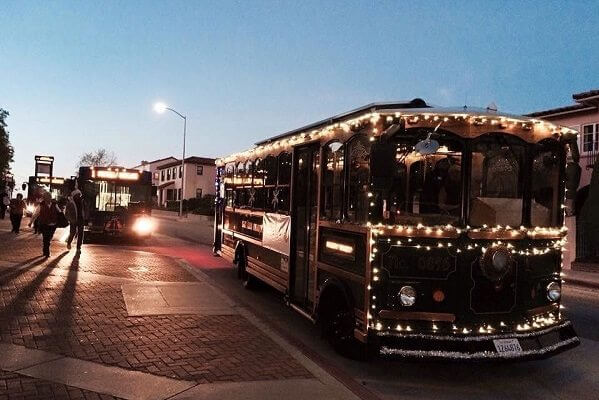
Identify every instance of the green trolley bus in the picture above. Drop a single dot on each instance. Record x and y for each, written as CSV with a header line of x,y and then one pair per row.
x,y
409,230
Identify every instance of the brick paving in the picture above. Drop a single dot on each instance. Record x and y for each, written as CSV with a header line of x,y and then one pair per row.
x,y
87,319
19,387
97,259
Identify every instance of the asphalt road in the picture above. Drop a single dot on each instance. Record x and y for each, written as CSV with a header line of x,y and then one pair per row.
x,y
187,229
570,375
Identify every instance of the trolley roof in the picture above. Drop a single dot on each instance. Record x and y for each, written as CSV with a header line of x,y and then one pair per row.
x,y
478,119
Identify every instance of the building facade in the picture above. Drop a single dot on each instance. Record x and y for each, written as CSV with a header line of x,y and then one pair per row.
x,y
200,173
152,167
583,116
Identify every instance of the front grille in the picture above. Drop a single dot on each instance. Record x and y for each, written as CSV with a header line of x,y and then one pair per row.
x,y
487,297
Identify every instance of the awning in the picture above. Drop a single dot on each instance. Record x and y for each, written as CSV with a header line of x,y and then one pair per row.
x,y
166,184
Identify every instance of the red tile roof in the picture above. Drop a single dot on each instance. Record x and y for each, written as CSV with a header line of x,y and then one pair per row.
x,y
584,95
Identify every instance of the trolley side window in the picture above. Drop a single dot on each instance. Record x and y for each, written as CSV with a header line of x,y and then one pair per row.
x,y
229,188
258,190
281,194
247,183
332,181
270,168
358,149
496,184
546,184
240,177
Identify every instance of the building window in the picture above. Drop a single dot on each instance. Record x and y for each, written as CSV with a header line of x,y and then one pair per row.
x,y
156,175
180,172
179,194
170,194
198,193
174,172
162,175
200,170
168,174
590,138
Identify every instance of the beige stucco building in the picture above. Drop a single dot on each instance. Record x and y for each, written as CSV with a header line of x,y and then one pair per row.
x,y
583,116
200,173
152,166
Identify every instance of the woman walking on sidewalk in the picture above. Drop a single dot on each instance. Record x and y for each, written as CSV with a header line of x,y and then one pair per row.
x,y
47,217
17,206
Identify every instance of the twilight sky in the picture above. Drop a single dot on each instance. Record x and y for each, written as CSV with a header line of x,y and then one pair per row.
x,y
80,75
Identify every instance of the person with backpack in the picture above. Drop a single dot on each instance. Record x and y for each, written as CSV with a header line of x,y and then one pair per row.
x,y
75,213
47,215
17,206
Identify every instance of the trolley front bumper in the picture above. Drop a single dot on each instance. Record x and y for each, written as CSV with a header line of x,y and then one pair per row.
x,y
538,344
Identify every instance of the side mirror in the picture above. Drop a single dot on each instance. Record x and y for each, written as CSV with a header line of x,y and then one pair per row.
x,y
427,146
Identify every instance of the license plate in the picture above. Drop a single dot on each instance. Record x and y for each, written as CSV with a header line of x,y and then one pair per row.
x,y
507,346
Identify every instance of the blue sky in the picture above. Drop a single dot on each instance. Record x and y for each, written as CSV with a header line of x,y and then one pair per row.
x,y
79,75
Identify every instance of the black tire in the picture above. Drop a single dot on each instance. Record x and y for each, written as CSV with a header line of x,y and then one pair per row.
x,y
338,328
249,281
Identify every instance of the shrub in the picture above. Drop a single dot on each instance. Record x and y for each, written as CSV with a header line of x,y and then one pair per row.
x,y
203,206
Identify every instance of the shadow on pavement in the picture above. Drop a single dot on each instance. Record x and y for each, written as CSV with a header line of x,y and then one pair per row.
x,y
16,307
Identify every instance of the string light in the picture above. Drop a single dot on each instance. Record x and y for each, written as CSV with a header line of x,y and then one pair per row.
x,y
534,127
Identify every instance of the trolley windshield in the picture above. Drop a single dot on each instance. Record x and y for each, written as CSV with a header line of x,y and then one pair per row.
x,y
117,196
427,188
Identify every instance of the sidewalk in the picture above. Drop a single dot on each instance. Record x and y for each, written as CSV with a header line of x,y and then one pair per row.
x,y
120,323
579,278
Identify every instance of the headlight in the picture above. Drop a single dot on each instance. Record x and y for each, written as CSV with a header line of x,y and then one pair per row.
x,y
496,263
407,296
554,291
143,226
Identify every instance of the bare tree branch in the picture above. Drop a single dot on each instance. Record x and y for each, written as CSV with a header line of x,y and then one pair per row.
x,y
99,158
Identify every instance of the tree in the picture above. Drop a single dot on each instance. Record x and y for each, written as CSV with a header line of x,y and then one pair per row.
x,y
6,150
99,158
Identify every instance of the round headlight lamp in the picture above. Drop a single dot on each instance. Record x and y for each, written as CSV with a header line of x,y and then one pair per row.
x,y
554,291
407,296
496,263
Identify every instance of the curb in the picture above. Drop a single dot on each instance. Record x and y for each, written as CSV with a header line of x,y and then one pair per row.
x,y
581,283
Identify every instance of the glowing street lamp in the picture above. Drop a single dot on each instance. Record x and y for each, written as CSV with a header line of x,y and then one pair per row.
x,y
160,108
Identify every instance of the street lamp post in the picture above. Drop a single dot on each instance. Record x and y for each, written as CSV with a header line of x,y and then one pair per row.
x,y
160,108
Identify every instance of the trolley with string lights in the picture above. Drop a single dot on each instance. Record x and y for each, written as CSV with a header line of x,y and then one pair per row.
x,y
409,230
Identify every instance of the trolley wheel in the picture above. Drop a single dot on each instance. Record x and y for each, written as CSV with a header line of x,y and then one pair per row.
x,y
249,281
338,329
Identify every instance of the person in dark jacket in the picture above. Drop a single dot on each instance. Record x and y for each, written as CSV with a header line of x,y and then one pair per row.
x,y
17,206
4,202
75,213
47,217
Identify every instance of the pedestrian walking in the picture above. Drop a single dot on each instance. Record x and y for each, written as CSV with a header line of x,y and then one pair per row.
x,y
47,216
17,206
75,213
4,202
